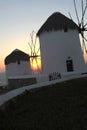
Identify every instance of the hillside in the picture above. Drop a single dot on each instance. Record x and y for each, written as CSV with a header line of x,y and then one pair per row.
x,y
61,106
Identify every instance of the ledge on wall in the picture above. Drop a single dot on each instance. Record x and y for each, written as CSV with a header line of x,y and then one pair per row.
x,y
21,81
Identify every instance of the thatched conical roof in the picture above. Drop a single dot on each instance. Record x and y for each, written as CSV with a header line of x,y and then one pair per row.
x,y
57,21
15,56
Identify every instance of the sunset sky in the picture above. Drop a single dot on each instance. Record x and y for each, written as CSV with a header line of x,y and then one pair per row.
x,y
18,18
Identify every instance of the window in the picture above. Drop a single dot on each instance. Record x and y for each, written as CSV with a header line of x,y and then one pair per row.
x,y
65,29
18,62
69,64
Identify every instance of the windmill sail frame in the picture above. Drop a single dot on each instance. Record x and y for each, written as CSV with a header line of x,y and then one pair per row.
x,y
34,53
82,26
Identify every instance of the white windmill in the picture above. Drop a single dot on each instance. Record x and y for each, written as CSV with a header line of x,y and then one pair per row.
x,y
82,25
35,59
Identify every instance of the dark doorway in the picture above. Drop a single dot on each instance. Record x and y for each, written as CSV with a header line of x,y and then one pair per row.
x,y
69,64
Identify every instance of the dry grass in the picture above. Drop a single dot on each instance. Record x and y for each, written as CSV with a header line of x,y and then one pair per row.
x,y
58,107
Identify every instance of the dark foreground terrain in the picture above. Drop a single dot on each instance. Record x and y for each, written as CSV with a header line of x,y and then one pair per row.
x,y
58,107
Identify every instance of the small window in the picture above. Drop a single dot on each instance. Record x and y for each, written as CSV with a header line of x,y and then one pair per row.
x,y
65,29
18,62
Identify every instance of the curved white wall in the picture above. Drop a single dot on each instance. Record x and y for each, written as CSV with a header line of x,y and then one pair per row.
x,y
15,69
57,47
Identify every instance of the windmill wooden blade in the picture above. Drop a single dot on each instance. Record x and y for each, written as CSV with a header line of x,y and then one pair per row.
x,y
83,37
83,41
31,35
70,16
76,13
30,47
37,64
32,40
85,25
84,45
35,44
82,21
38,57
38,50
83,11
31,59
35,56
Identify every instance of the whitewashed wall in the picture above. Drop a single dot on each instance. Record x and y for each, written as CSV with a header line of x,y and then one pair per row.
x,y
56,47
15,69
3,79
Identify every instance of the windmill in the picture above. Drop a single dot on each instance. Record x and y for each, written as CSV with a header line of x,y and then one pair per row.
x,y
82,25
34,47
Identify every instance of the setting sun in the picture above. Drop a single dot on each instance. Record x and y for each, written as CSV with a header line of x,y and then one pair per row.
x,y
35,64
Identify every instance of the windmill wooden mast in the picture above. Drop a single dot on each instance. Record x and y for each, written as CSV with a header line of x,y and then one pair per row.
x,y
82,25
34,52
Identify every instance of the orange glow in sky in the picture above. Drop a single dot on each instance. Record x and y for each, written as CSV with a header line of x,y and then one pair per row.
x,y
35,64
2,67
85,57
20,17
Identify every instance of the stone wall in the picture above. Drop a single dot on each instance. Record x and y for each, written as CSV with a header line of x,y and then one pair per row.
x,y
21,82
